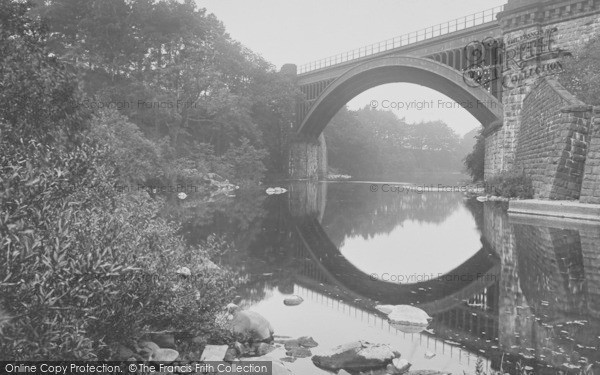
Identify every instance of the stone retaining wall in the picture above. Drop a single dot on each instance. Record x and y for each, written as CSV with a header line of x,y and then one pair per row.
x,y
553,140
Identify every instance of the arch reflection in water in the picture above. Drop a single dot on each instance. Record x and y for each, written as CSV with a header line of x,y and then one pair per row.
x,y
518,319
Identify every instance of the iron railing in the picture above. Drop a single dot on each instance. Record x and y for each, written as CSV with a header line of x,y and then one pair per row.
x,y
458,24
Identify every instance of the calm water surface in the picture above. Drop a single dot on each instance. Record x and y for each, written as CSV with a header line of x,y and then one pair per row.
x,y
522,295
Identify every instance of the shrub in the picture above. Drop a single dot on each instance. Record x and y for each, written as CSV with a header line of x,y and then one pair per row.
x,y
510,185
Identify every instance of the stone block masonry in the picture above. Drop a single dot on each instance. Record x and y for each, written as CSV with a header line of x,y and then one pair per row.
x,y
590,187
553,140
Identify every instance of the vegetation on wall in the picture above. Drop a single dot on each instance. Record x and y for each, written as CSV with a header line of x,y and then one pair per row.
x,y
580,75
510,184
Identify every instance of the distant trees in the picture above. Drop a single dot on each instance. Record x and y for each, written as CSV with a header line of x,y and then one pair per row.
x,y
376,143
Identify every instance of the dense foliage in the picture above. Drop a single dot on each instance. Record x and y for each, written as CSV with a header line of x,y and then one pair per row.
x,y
173,71
370,143
475,160
580,75
84,264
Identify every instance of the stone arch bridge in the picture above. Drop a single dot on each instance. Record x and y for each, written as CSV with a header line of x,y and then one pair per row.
x,y
492,61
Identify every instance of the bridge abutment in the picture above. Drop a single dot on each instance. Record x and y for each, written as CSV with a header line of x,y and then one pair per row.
x,y
537,34
308,159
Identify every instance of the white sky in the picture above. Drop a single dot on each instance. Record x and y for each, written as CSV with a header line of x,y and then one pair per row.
x,y
300,31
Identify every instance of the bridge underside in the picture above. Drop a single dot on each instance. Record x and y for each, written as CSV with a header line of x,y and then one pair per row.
x,y
438,76
308,153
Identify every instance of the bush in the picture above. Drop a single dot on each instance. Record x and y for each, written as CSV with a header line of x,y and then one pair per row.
x,y
510,185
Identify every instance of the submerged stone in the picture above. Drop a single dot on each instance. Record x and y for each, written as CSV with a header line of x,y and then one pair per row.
x,y
304,341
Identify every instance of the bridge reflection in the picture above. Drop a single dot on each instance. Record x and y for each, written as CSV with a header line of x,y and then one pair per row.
x,y
540,311
324,262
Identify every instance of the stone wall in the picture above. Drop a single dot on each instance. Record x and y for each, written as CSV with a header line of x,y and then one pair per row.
x,y
567,26
590,187
552,142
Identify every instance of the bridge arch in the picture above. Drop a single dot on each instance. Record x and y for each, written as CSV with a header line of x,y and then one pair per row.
x,y
393,69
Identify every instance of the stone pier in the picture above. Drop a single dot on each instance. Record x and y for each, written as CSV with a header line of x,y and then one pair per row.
x,y
308,159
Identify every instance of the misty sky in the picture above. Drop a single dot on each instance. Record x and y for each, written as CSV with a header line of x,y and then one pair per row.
x,y
300,31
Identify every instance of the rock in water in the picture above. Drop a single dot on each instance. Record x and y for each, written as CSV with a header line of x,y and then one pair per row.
x,y
398,366
405,315
355,356
214,353
298,352
252,324
276,190
307,342
293,300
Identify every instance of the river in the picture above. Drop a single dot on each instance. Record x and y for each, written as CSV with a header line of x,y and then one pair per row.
x,y
516,294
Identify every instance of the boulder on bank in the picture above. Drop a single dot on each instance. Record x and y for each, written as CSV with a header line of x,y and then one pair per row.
x,y
249,323
355,356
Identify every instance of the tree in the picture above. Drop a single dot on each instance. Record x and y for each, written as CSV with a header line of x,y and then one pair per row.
x,y
474,162
182,75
